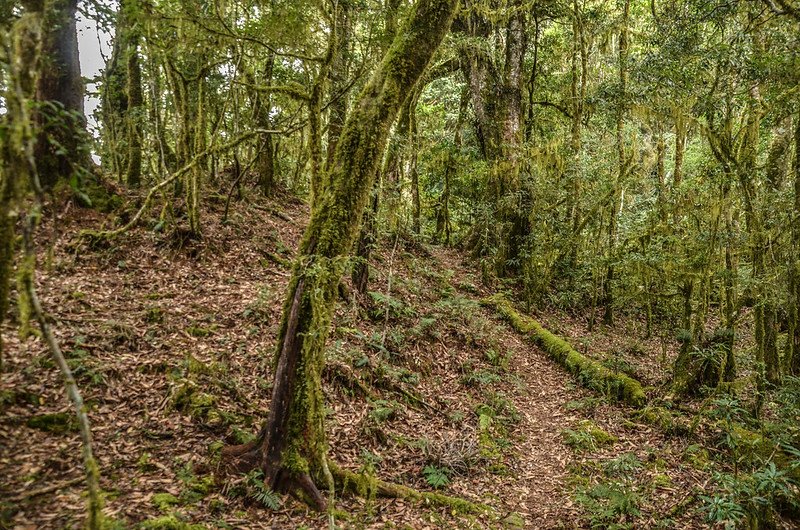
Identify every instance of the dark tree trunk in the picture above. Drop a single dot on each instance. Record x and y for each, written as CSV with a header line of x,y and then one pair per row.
x,y
292,447
60,149
793,340
496,93
262,107
133,172
366,241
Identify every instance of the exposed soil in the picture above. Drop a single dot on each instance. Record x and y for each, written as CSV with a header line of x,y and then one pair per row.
x,y
171,342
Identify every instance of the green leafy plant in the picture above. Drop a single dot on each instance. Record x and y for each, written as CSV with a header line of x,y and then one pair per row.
x,y
260,307
480,378
611,505
259,492
623,466
722,510
498,358
753,497
436,477
394,307
382,411
587,437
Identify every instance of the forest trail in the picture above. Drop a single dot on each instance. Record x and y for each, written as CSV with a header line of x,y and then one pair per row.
x,y
170,346
554,409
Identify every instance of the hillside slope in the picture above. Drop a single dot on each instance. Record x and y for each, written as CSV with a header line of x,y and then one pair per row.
x,y
171,341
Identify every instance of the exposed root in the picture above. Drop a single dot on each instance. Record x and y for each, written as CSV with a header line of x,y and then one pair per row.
x,y
369,487
27,495
247,457
344,376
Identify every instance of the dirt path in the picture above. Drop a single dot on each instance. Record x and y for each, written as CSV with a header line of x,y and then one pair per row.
x,y
540,392
543,456
548,473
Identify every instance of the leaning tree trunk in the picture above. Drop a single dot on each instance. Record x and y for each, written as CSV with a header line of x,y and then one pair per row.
x,y
292,449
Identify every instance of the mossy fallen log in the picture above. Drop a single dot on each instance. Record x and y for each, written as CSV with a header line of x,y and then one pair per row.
x,y
589,372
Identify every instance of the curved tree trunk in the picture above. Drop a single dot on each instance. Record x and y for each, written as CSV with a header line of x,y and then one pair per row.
x,y
291,449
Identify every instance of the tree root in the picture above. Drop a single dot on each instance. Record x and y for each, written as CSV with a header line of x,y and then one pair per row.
x,y
349,379
27,495
367,487
246,457
344,376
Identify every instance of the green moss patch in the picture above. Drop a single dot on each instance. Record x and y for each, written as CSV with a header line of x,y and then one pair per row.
x,y
588,436
187,398
165,501
169,522
59,422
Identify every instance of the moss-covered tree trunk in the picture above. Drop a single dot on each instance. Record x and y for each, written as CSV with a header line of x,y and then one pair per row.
x,y
443,225
262,109
496,93
793,341
187,83
622,168
413,170
339,75
19,71
578,78
114,101
59,118
292,448
393,167
123,101
135,104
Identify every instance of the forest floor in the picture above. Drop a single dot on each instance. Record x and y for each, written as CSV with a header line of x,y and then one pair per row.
x,y
171,342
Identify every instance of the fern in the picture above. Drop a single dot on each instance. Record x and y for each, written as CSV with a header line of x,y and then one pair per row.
x,y
437,477
259,492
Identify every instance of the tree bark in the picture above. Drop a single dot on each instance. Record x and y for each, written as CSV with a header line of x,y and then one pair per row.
x,y
262,107
59,149
338,76
291,449
133,171
793,354
608,284
496,93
